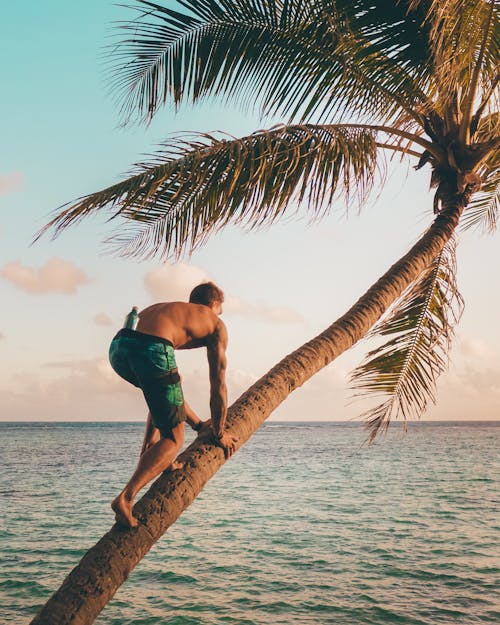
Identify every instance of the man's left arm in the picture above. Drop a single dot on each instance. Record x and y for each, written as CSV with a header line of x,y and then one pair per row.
x,y
216,353
194,420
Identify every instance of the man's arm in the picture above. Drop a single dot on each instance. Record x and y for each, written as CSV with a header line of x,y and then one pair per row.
x,y
194,420
217,362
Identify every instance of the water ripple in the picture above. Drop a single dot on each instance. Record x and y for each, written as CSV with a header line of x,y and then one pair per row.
x,y
302,527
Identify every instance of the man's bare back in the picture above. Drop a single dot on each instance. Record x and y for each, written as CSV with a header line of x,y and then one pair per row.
x,y
186,326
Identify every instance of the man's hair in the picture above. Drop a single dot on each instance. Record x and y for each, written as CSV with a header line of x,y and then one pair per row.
x,y
206,293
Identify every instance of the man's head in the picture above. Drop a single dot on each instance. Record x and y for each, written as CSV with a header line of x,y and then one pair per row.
x,y
208,294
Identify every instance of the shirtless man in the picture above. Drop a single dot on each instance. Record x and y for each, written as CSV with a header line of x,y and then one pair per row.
x,y
145,358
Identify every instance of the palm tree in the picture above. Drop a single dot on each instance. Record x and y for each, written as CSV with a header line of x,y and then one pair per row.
x,y
355,79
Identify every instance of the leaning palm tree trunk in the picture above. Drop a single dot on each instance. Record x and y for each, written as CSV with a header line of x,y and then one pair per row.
x,y
94,581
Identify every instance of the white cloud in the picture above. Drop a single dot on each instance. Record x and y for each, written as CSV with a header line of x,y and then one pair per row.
x,y
102,319
97,370
261,311
473,347
196,386
172,283
175,282
86,390
476,382
89,390
11,183
239,381
56,276
469,393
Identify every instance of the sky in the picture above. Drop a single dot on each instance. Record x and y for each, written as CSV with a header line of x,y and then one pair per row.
x,y
63,300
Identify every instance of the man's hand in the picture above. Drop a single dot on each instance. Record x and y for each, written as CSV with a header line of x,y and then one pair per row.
x,y
228,443
202,427
206,426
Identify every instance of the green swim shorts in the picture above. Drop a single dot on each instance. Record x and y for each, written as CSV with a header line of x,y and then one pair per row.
x,y
148,362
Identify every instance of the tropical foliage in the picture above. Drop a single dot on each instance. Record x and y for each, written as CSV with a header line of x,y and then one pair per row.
x,y
420,326
354,80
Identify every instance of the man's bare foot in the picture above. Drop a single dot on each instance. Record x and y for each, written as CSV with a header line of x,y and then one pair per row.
x,y
122,508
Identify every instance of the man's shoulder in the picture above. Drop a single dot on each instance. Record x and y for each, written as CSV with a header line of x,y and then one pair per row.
x,y
220,325
184,309
219,334
202,311
164,307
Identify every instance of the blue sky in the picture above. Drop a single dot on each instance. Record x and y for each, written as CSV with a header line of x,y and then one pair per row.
x,y
63,300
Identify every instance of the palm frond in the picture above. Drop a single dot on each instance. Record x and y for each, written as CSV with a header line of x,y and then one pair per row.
x,y
192,188
483,210
464,38
487,52
405,368
311,56
488,127
489,104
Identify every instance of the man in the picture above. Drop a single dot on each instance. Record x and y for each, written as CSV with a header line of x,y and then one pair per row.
x,y
145,358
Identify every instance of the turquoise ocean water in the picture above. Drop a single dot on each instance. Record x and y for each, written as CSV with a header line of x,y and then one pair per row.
x,y
303,526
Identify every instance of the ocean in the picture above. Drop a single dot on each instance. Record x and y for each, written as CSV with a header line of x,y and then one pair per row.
x,y
304,525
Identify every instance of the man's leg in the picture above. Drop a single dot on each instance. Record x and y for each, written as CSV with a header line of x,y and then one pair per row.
x,y
151,435
152,462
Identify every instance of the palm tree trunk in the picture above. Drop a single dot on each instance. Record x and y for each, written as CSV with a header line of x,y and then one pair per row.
x,y
94,581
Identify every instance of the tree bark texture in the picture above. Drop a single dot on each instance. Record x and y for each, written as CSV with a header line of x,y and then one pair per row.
x,y
103,569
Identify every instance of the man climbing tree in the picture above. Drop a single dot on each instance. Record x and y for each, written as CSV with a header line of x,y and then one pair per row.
x,y
354,80
144,356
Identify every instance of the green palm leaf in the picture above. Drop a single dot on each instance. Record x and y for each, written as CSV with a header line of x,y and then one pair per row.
x,y
483,210
192,188
464,38
462,34
405,368
313,56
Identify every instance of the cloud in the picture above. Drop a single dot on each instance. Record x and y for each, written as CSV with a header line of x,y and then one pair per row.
x,y
262,311
476,382
239,381
473,347
172,283
56,276
85,390
89,368
89,390
175,282
102,319
469,393
196,386
10,183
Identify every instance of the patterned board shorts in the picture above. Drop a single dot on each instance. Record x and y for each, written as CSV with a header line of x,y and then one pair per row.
x,y
148,362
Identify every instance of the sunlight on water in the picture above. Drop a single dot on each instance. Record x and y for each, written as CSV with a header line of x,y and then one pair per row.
x,y
303,526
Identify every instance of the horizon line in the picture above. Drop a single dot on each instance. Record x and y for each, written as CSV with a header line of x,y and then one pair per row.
x,y
331,421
